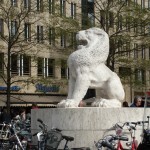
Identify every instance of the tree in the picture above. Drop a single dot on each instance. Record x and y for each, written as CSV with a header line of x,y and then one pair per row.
x,y
23,37
126,23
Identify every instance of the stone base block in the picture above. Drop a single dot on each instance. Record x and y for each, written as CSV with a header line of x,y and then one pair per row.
x,y
87,124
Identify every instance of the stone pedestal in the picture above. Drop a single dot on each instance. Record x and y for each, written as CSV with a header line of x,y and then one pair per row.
x,y
87,124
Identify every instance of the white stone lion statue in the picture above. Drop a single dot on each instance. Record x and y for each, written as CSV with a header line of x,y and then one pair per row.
x,y
87,69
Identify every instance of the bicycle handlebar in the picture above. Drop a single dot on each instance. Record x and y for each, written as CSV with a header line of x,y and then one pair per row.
x,y
39,120
41,127
122,138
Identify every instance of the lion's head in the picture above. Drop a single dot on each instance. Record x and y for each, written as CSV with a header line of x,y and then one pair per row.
x,y
89,37
93,48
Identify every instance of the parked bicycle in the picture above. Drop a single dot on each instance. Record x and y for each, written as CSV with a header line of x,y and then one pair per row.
x,y
145,143
50,140
11,137
109,142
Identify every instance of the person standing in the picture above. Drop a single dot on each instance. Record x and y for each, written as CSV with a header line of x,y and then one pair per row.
x,y
137,102
6,118
34,106
125,104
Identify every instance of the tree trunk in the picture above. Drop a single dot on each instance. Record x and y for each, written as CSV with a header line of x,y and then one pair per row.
x,y
8,80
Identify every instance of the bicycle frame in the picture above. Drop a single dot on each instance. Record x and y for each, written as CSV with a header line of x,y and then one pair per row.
x,y
119,145
134,144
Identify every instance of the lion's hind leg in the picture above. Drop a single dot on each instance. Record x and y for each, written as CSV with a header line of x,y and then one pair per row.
x,y
114,93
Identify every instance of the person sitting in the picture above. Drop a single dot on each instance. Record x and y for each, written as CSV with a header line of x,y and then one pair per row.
x,y
137,102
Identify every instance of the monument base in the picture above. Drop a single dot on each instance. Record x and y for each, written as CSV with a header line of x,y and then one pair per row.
x,y
87,124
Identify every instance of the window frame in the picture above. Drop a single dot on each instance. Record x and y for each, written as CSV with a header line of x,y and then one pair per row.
x,y
63,7
27,31
40,6
1,27
40,35
73,10
45,67
14,3
1,63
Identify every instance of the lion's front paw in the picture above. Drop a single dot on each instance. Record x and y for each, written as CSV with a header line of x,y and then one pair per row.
x,y
69,103
109,103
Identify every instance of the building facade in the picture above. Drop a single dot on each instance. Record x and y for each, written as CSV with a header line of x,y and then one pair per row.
x,y
37,36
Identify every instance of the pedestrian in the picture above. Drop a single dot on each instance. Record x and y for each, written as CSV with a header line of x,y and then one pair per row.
x,y
82,104
6,116
34,106
137,102
125,104
23,114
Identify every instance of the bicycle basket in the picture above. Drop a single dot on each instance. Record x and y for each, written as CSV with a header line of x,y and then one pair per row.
x,y
53,139
4,133
146,138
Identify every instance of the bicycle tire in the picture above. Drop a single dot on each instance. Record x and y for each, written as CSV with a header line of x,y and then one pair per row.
x,y
18,147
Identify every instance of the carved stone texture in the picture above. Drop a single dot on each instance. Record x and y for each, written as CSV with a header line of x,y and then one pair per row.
x,y
88,70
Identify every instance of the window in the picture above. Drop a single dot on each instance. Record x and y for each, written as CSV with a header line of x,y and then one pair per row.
x,y
63,69
120,22
13,28
102,18
27,32
25,66
1,27
149,4
40,5
73,39
73,10
51,6
91,19
136,53
149,52
14,2
27,4
111,19
51,36
124,71
143,27
1,63
40,34
140,76
135,2
142,3
20,64
127,24
14,64
62,7
120,46
90,11
143,51
45,67
63,39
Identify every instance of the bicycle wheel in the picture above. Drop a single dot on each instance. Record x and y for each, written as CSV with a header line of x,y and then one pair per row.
x,y
16,147
4,146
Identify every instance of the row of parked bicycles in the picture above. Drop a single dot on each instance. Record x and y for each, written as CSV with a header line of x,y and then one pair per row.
x,y
115,141
17,136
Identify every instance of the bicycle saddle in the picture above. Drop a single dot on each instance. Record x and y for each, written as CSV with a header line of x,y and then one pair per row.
x,y
68,138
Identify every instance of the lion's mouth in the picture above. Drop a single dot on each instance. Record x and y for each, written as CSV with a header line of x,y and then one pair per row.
x,y
82,42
